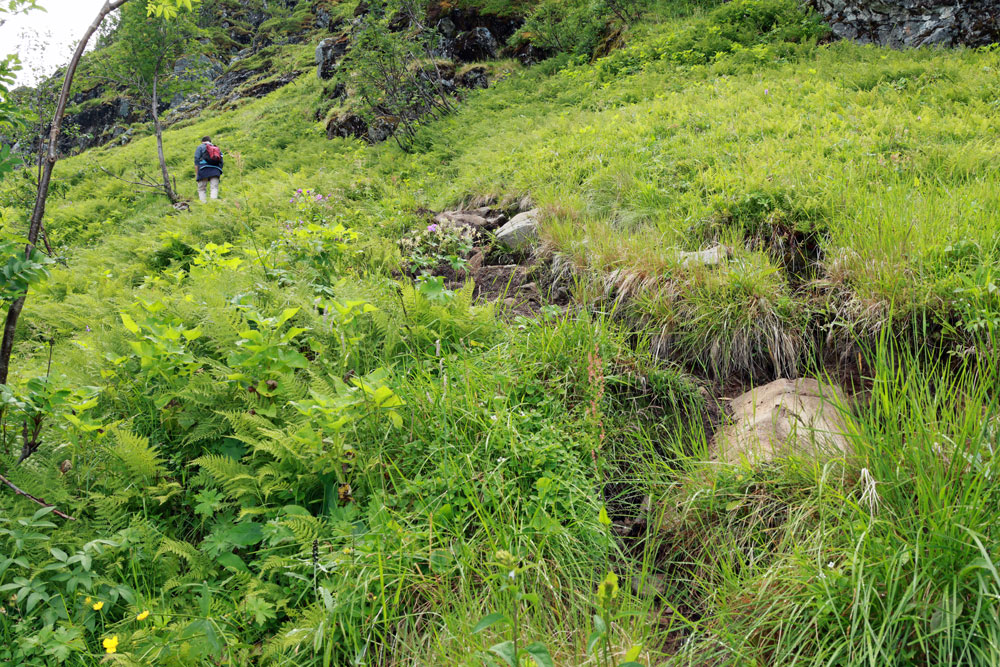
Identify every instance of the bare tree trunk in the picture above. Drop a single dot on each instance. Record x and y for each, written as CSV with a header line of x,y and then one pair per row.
x,y
171,195
14,311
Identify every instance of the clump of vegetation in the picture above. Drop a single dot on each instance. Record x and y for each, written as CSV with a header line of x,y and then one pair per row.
x,y
439,242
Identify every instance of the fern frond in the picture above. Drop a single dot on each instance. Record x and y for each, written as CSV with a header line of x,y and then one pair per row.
x,y
140,458
236,479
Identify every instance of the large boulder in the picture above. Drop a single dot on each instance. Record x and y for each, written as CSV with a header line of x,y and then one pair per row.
x,y
786,417
907,23
520,231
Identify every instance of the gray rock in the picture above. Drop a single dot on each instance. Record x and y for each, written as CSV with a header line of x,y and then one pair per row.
x,y
381,129
476,44
328,53
477,77
468,218
708,257
911,23
197,68
520,231
786,417
346,125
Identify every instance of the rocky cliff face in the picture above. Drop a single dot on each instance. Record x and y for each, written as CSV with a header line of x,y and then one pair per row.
x,y
910,23
244,28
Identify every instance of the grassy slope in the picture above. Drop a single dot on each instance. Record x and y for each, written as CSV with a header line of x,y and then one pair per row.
x,y
886,154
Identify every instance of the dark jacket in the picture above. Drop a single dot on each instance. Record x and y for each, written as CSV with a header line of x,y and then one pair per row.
x,y
204,169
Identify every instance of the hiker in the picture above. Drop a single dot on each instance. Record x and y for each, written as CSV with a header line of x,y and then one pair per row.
x,y
208,163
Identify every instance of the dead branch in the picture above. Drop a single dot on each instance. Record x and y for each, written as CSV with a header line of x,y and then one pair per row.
x,y
22,492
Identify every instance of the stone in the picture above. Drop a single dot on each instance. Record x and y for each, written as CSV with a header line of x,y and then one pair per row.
x,y
520,231
468,218
197,68
346,125
913,23
476,262
785,417
381,128
708,257
328,53
474,78
476,44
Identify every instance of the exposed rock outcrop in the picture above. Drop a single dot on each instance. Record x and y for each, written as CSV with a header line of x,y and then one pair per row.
x,y
328,54
906,23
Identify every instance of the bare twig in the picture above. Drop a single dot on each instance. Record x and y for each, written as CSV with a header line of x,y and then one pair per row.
x,y
22,492
144,184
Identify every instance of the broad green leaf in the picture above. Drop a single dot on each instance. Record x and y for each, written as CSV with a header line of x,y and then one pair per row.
x,y
505,651
287,314
232,562
488,621
592,641
386,398
633,654
539,654
599,625
130,323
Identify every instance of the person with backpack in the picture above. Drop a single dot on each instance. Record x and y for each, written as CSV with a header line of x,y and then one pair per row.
x,y
208,163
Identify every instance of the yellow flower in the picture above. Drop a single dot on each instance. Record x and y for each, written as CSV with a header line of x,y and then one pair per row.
x,y
86,600
98,605
142,616
111,643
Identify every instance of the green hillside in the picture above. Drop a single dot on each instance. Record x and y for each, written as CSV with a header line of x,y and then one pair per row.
x,y
282,445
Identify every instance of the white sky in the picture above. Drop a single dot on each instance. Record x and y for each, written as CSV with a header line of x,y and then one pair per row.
x,y
58,28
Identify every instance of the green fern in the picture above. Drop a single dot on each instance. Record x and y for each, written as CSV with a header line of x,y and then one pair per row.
x,y
141,459
198,564
238,480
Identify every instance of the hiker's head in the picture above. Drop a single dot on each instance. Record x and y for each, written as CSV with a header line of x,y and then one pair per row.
x,y
207,140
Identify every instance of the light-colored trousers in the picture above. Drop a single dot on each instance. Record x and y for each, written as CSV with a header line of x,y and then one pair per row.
x,y
203,184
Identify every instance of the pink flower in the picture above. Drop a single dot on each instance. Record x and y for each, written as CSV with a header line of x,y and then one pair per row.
x,y
432,228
